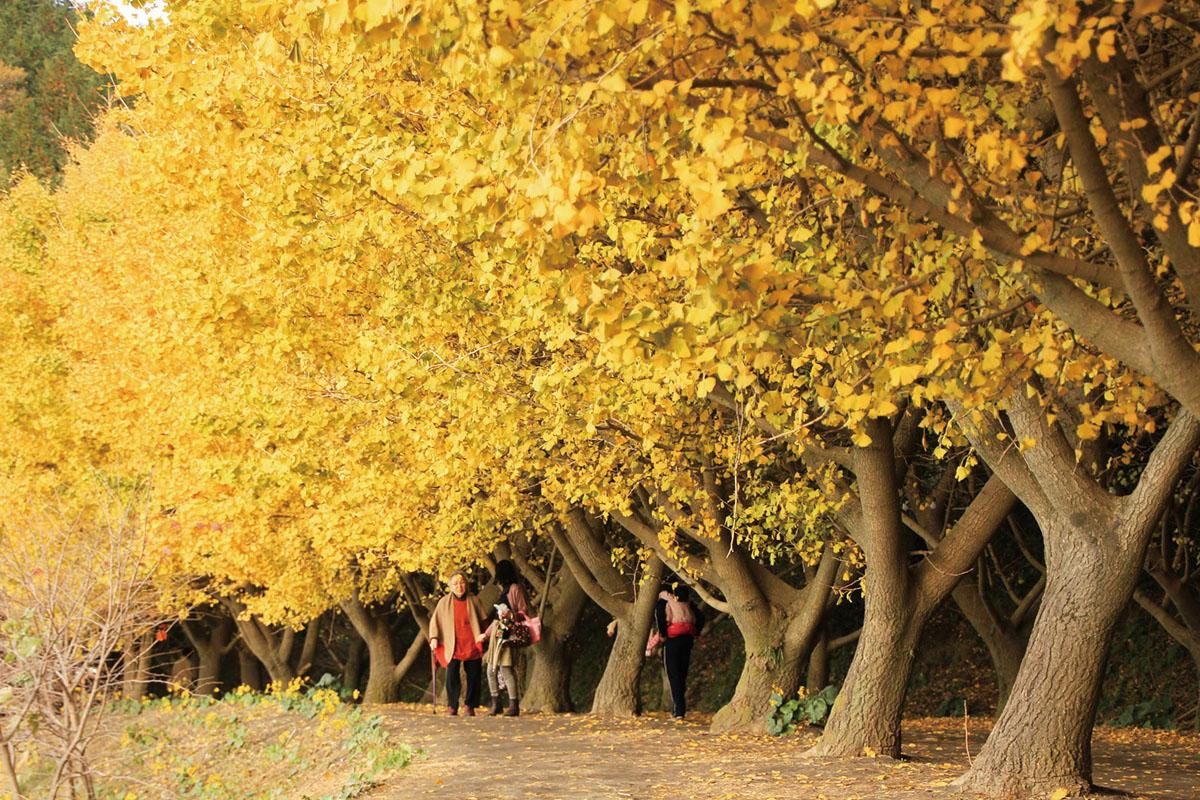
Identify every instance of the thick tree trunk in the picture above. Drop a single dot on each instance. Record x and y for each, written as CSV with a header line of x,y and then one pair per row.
x,y
1005,646
135,677
210,650
898,601
383,673
278,666
352,674
208,673
1095,549
273,650
548,688
777,648
183,674
817,676
382,683
249,671
770,665
866,717
308,649
1043,740
617,694
581,540
865,720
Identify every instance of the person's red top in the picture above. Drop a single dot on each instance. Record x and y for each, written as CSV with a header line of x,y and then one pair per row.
x,y
465,646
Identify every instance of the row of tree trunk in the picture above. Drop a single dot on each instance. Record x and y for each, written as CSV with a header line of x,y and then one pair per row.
x,y
923,547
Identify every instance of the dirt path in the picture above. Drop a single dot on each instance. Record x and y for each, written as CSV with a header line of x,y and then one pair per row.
x,y
579,757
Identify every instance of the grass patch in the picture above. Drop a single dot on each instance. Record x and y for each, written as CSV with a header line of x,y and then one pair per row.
x,y
298,743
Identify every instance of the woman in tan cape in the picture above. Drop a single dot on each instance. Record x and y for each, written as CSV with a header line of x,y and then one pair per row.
x,y
455,632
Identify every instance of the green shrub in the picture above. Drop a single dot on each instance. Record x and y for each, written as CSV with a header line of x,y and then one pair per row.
x,y
786,716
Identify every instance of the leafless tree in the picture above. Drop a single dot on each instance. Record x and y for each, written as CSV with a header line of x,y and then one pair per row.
x,y
78,595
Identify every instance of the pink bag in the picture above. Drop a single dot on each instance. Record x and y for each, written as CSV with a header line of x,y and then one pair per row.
x,y
535,629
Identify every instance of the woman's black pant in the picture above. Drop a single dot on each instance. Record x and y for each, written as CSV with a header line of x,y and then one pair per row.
x,y
677,655
473,668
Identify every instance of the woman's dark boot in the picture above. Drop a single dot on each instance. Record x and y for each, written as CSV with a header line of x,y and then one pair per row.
x,y
514,709
495,709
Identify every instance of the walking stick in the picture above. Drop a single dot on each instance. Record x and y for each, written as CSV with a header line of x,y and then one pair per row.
x,y
433,674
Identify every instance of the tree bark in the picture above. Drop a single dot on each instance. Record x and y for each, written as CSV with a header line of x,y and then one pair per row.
x,y
210,650
897,601
617,694
352,674
581,540
1042,740
866,716
770,665
816,677
249,672
548,686
1095,549
384,672
273,650
382,684
208,673
1005,644
776,650
1196,712
308,649
136,671
778,621
275,657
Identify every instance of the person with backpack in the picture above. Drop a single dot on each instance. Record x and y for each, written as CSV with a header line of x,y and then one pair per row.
x,y
455,630
505,633
677,623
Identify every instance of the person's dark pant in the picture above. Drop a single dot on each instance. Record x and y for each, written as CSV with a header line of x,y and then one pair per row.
x,y
474,669
677,655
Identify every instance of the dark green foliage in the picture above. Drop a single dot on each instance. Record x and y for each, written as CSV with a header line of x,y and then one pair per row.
x,y
954,706
786,716
46,95
1157,712
1150,681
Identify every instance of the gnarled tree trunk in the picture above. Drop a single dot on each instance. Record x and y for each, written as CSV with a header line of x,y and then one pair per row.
x,y
866,716
898,601
772,662
1095,546
353,672
273,649
211,647
617,694
548,688
777,649
778,621
249,670
384,672
1042,741
581,540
